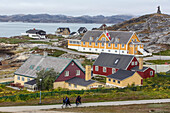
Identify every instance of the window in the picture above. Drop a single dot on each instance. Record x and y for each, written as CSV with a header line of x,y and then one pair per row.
x,y
132,39
102,49
38,68
96,68
113,70
75,86
116,51
71,42
114,81
96,44
136,63
89,43
115,45
32,67
83,48
18,77
89,49
23,79
104,69
103,39
102,44
108,50
116,61
72,63
84,43
118,82
135,51
123,45
109,44
135,40
66,73
95,49
122,51
28,79
69,85
151,73
132,63
77,72
109,79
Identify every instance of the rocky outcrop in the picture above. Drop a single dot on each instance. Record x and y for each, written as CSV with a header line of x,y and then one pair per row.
x,y
152,29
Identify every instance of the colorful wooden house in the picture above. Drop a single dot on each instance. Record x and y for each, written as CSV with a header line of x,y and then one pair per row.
x,y
63,31
123,78
67,69
107,64
117,42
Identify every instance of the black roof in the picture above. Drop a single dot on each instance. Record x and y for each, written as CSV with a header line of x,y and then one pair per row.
x,y
72,33
31,82
136,68
63,28
80,81
113,60
121,74
36,31
81,29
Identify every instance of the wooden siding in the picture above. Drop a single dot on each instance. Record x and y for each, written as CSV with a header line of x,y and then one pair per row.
x,y
130,64
72,73
100,71
146,73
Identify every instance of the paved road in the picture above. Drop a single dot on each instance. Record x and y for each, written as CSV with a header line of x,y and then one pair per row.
x,y
34,109
157,57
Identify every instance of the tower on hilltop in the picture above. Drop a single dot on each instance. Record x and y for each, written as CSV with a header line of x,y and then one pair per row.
x,y
159,10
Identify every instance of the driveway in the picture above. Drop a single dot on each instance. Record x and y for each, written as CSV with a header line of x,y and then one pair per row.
x,y
36,109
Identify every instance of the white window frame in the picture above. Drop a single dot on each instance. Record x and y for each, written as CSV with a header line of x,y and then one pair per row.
x,y
66,73
77,72
89,43
136,63
123,45
109,44
23,79
132,63
115,45
102,44
113,70
104,69
18,78
96,68
96,44
151,73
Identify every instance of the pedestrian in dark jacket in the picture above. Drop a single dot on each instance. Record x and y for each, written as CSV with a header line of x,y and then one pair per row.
x,y
78,100
67,101
64,102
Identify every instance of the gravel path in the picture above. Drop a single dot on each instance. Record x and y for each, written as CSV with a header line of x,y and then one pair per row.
x,y
37,109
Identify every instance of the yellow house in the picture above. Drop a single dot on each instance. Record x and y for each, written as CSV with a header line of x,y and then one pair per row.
x,y
118,42
123,78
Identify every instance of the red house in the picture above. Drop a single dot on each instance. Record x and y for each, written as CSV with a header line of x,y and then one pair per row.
x,y
107,64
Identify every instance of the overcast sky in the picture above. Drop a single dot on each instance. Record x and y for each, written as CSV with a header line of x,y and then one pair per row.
x,y
83,7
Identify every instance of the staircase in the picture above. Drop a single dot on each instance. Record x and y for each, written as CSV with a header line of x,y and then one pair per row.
x,y
145,53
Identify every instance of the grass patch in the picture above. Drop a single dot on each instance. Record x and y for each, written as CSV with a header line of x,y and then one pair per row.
x,y
165,53
158,61
87,62
13,40
57,53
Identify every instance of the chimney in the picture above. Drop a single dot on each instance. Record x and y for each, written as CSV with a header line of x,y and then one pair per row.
x,y
88,73
140,63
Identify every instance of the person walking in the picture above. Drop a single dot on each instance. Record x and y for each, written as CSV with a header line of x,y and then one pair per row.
x,y
64,102
78,100
67,100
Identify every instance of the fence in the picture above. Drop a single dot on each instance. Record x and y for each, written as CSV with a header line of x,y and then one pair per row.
x,y
54,93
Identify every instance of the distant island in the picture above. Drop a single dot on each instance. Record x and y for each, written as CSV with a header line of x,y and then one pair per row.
x,y
46,18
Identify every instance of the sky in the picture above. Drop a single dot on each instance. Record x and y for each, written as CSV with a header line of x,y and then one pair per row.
x,y
83,7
